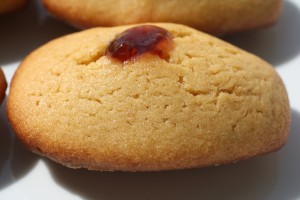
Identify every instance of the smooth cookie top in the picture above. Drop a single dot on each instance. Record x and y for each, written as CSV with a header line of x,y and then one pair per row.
x,y
208,103
212,16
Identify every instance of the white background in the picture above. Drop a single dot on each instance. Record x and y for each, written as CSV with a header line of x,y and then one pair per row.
x,y
24,175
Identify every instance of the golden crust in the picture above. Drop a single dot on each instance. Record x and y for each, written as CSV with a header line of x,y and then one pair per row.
x,y
216,17
209,104
3,85
8,6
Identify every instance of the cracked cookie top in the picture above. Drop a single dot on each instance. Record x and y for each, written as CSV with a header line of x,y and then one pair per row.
x,y
209,103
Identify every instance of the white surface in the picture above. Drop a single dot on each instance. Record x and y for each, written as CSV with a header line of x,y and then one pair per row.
x,y
24,175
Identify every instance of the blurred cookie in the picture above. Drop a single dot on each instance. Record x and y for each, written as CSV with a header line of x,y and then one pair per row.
x,y
8,6
3,85
151,97
216,17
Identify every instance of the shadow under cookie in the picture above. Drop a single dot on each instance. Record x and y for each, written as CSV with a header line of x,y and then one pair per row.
x,y
15,160
5,145
287,186
36,28
277,44
252,179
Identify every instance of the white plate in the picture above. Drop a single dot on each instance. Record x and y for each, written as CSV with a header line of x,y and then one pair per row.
x,y
24,175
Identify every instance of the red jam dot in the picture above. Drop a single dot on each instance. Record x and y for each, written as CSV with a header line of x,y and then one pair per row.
x,y
140,40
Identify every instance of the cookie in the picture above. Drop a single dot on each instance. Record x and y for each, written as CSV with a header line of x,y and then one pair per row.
x,y
3,85
8,6
216,17
146,98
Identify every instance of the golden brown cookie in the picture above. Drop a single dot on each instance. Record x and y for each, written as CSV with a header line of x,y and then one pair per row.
x,y
182,99
3,85
8,6
212,16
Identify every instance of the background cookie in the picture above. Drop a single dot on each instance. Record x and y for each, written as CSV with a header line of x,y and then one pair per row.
x,y
215,17
208,103
3,85
7,6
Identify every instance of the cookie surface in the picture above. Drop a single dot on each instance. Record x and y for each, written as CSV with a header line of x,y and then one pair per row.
x,y
209,103
3,85
212,16
7,6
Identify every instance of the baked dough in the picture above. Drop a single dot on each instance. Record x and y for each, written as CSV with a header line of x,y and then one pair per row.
x,y
212,16
3,85
209,103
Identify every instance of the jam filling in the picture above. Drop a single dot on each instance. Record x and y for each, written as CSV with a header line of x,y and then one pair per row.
x,y
140,40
